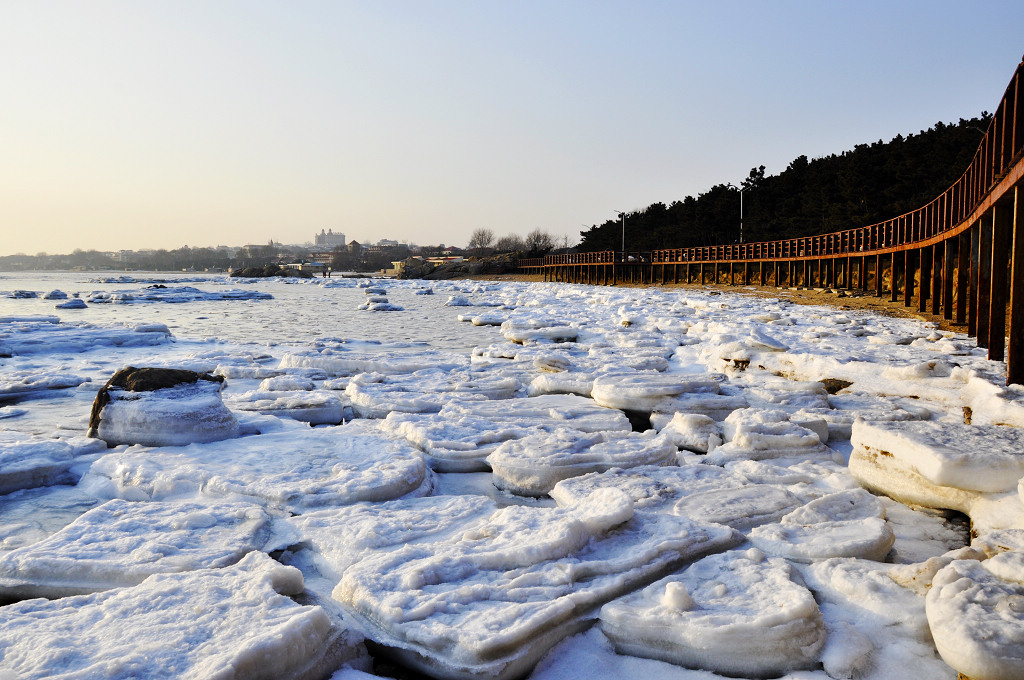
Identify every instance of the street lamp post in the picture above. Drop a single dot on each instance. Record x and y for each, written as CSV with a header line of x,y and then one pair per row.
x,y
740,188
623,216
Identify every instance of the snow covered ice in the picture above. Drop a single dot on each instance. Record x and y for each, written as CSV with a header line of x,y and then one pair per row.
x,y
711,476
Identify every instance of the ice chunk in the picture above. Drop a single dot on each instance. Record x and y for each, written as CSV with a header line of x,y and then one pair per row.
x,y
316,407
15,386
741,508
649,391
654,489
161,407
869,538
343,536
235,622
532,465
120,543
30,515
754,434
487,603
737,613
977,620
29,462
693,432
375,395
295,470
986,458
853,504
568,410
533,331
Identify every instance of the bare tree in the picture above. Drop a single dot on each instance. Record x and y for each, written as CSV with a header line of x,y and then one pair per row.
x,y
538,241
480,239
512,243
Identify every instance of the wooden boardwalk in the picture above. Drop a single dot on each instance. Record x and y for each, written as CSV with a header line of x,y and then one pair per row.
x,y
961,256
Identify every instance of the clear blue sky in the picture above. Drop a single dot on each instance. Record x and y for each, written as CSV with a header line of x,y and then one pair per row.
x,y
159,124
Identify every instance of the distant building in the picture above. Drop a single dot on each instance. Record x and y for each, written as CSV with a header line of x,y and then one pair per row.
x,y
328,239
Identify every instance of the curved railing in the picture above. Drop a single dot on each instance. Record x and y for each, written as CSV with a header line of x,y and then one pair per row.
x,y
957,248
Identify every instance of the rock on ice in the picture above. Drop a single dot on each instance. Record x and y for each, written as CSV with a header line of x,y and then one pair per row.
x,y
161,407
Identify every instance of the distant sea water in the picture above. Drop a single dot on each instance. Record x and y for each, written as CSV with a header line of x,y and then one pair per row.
x,y
300,311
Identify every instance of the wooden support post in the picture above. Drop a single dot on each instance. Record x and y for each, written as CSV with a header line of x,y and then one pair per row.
x,y
1001,235
972,293
909,273
936,293
925,258
894,289
947,279
878,274
984,276
963,265
1015,353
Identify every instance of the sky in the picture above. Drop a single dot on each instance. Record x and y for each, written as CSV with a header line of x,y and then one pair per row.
x,y
143,124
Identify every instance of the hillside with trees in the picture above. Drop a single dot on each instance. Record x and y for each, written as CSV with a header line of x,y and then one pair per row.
x,y
869,184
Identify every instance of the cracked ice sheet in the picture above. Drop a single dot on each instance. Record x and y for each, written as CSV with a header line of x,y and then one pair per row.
x,y
29,462
489,601
296,470
877,629
30,515
531,466
230,622
120,543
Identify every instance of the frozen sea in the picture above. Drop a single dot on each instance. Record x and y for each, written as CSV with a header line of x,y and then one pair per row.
x,y
471,479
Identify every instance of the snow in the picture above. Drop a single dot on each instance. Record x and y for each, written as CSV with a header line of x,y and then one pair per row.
x,y
828,448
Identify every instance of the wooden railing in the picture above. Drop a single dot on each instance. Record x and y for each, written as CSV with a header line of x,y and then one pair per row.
x,y
962,251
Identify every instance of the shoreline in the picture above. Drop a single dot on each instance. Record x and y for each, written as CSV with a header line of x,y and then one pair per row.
x,y
851,300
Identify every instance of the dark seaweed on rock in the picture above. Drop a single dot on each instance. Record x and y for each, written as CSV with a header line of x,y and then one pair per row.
x,y
143,380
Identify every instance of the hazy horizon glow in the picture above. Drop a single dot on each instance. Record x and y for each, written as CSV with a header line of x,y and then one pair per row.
x,y
156,125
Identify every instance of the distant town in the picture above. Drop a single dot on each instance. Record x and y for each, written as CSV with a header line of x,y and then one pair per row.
x,y
328,251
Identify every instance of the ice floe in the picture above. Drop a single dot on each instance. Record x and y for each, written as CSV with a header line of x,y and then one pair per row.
x,y
232,622
739,613
319,467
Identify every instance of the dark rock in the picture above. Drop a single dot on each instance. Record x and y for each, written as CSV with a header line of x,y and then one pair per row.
x,y
134,379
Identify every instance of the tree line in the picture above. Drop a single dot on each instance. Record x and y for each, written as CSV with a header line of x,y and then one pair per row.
x,y
868,184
